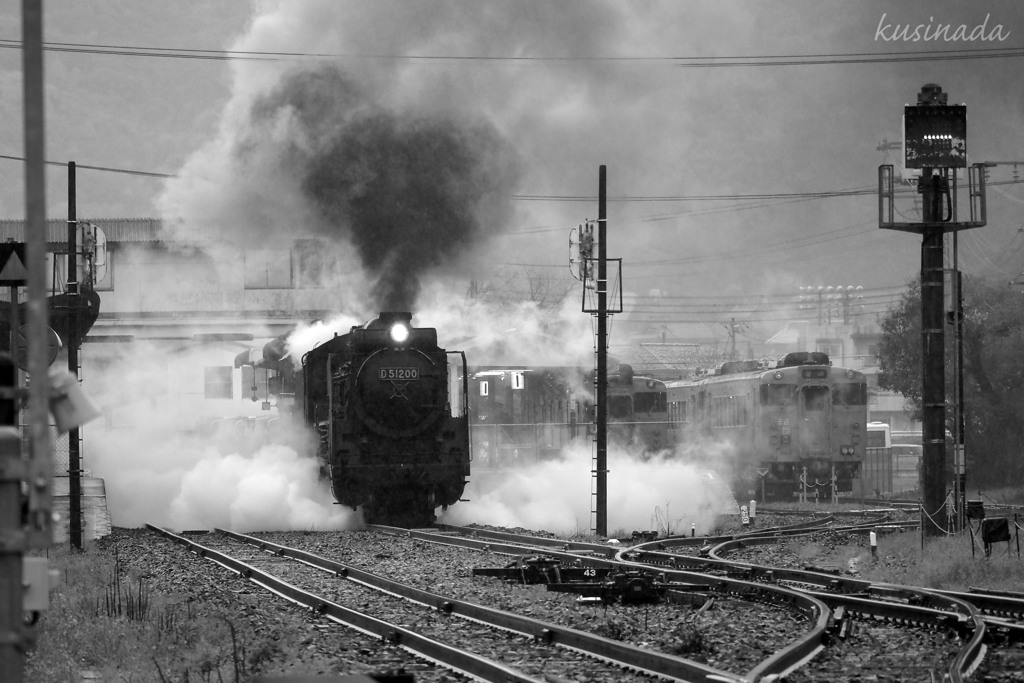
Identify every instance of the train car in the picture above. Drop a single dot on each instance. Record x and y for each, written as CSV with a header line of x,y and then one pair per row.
x,y
520,415
524,414
637,412
796,428
389,407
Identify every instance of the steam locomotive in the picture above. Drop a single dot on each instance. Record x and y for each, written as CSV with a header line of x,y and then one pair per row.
x,y
389,408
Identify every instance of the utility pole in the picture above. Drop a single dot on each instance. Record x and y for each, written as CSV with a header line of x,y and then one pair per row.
x,y
959,424
935,140
601,464
13,644
602,309
74,452
25,527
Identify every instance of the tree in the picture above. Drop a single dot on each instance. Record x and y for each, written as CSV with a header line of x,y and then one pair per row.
x,y
993,374
530,285
900,359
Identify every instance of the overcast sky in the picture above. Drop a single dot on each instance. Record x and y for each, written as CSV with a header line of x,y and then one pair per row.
x,y
725,126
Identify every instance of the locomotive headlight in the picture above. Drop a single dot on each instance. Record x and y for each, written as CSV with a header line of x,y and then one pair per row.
x,y
399,333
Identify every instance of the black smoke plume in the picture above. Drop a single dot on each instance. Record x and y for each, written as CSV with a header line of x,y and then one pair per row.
x,y
411,191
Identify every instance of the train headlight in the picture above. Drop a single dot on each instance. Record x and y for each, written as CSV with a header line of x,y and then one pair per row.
x,y
399,333
778,374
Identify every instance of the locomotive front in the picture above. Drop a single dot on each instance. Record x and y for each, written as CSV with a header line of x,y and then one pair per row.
x,y
813,429
390,410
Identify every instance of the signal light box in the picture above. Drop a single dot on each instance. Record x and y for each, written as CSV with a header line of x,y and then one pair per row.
x,y
935,136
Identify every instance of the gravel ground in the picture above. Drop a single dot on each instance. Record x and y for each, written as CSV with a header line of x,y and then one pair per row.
x,y
242,627
732,635
257,633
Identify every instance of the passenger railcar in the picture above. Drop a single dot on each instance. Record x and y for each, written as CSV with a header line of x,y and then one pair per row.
x,y
637,411
523,414
796,428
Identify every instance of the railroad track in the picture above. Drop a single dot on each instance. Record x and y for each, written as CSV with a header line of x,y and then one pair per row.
x,y
807,624
921,623
540,651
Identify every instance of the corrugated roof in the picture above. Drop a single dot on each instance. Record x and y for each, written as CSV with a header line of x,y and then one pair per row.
x,y
788,336
116,229
668,359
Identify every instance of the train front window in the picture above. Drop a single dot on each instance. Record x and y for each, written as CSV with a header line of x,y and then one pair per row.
x,y
850,395
815,398
649,402
777,394
620,407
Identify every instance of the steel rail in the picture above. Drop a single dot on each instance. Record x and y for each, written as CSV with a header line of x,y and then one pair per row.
x,y
956,615
957,611
963,614
435,651
610,550
779,663
995,606
597,646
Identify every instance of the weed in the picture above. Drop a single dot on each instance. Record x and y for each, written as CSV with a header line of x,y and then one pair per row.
x,y
662,522
687,638
611,629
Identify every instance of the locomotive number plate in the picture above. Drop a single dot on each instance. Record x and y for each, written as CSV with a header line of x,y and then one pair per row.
x,y
401,374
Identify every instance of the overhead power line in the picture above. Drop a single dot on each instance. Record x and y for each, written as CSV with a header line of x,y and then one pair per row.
x,y
95,168
717,61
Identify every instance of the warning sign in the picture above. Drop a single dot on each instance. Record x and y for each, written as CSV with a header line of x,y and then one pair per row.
x,y
13,272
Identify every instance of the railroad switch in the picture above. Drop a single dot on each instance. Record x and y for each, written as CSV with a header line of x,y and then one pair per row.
x,y
840,624
629,587
533,569
598,585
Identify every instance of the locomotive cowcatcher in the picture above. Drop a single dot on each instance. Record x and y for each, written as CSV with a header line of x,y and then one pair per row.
x,y
390,412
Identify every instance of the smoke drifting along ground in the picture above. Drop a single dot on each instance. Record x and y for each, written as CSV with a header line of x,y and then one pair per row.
x,y
664,494
165,463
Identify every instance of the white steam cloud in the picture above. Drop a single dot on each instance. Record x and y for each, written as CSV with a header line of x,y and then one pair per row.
x,y
665,493
172,459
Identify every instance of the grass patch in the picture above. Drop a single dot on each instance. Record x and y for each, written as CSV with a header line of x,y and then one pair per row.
x,y
946,563
100,620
